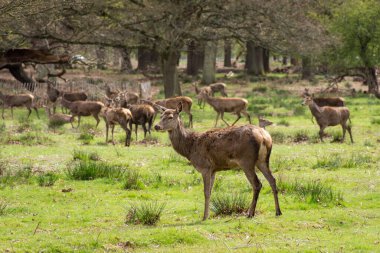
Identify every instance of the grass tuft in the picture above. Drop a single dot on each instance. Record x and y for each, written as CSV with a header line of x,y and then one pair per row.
x,y
278,137
227,204
146,213
313,192
47,179
85,156
336,161
3,207
89,170
132,181
301,136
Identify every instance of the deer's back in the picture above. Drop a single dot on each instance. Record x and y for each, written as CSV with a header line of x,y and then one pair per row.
x,y
332,116
334,102
19,100
226,148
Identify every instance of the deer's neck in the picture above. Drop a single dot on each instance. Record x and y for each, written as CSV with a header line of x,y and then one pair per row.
x,y
182,141
315,109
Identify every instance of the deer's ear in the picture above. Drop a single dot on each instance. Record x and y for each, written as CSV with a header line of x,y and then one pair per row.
x,y
179,107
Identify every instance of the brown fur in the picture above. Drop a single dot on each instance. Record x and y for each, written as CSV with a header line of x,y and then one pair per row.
x,y
242,147
128,98
74,96
120,116
264,122
207,89
222,105
218,87
26,100
83,108
171,103
141,114
111,94
57,117
329,116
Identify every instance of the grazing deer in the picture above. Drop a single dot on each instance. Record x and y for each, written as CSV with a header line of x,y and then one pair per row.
x,y
57,118
26,100
141,115
244,147
329,116
121,116
222,105
83,108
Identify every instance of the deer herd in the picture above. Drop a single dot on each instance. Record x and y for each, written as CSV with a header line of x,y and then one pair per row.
x,y
246,147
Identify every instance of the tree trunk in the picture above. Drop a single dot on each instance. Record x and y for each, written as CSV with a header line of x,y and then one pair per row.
x,y
294,61
371,80
143,58
126,64
266,60
170,75
284,60
209,63
307,71
227,53
101,57
195,57
254,59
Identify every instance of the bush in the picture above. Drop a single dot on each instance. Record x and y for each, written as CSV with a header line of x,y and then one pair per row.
x,y
47,179
283,122
132,181
146,213
85,156
278,137
227,204
89,170
301,136
3,207
311,191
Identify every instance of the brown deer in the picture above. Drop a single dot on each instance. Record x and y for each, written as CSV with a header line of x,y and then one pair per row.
x,y
26,100
329,116
171,103
222,105
218,87
264,122
141,115
57,118
52,94
121,116
111,94
83,108
206,89
244,147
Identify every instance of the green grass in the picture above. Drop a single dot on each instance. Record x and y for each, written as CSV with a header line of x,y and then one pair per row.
x,y
146,213
230,203
327,190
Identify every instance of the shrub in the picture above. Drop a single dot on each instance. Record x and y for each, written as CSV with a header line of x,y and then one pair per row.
x,y
311,191
227,204
89,170
301,135
85,156
3,207
146,213
47,179
283,122
278,137
375,121
132,181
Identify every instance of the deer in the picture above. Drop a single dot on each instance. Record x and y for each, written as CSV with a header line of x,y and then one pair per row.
x,y
120,116
329,116
128,98
219,87
111,94
222,105
264,122
244,147
53,94
206,89
57,118
171,103
141,115
83,108
26,100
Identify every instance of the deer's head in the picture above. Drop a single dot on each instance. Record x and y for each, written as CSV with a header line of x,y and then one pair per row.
x,y
169,119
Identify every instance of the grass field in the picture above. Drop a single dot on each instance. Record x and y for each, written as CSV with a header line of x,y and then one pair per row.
x,y
330,195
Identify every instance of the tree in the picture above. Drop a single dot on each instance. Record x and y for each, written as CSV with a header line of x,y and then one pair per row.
x,y
356,23
209,63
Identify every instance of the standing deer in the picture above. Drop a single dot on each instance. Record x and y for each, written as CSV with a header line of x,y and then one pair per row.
x,y
171,103
121,116
83,108
329,116
26,100
222,105
244,147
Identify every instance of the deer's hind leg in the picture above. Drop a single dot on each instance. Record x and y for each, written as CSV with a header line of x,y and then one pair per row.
x,y
249,170
263,166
